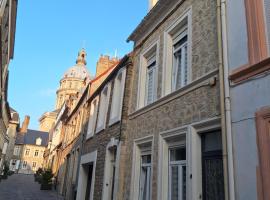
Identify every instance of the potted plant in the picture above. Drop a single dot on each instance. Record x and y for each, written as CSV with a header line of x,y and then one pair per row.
x,y
46,183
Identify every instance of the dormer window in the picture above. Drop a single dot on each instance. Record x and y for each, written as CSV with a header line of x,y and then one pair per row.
x,y
38,141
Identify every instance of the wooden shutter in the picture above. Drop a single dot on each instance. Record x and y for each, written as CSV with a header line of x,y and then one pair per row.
x,y
263,144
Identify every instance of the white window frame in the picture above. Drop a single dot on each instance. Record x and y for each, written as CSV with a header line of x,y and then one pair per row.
x,y
103,108
82,180
107,190
16,151
151,67
178,137
140,147
180,165
117,100
92,118
148,177
184,52
153,49
184,20
28,152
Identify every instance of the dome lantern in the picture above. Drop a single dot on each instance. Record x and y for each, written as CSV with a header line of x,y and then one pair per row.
x,y
81,60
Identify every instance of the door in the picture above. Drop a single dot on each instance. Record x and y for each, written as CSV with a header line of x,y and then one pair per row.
x,y
212,166
89,182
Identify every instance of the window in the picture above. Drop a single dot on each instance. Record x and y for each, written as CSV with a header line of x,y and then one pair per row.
x,y
180,50
38,141
36,153
27,152
16,151
117,96
34,164
173,166
145,177
150,80
142,169
110,171
92,117
103,108
177,55
24,164
177,173
147,84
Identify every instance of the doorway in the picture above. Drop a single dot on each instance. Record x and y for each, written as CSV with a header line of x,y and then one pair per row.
x,y
89,181
212,166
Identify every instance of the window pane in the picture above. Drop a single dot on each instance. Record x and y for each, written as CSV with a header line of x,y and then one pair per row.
x,y
174,183
184,182
145,183
150,85
178,154
178,67
180,63
146,159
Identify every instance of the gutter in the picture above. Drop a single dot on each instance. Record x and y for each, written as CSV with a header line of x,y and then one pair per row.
x,y
227,147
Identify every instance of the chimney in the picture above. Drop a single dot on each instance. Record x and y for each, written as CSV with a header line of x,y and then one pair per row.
x,y
25,124
104,63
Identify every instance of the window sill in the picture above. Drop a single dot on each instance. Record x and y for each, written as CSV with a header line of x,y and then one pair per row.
x,y
196,84
247,71
114,121
99,129
89,137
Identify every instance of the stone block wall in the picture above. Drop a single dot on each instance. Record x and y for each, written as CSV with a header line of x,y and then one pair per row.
x,y
188,105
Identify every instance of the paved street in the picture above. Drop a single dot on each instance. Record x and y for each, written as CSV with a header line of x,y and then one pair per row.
x,y
23,187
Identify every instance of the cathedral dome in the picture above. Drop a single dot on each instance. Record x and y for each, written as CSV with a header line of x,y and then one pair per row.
x,y
79,70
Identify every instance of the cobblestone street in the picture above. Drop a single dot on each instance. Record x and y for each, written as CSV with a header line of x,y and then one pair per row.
x,y
23,187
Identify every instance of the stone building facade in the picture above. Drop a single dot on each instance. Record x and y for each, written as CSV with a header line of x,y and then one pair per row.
x,y
176,146
28,151
106,117
13,128
8,12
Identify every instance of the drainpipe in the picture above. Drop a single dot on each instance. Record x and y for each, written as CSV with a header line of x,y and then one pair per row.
x,y
225,101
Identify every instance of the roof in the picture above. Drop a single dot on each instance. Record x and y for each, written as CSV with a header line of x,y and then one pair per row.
x,y
30,137
157,14
122,63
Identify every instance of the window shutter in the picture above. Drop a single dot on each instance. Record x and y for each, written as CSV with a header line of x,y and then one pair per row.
x,y
267,20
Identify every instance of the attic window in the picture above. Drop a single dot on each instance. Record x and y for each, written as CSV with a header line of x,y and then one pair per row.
x,y
38,141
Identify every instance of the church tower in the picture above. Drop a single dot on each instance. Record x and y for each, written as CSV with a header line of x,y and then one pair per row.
x,y
73,81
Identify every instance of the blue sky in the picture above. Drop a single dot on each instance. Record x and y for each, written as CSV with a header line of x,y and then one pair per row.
x,y
50,33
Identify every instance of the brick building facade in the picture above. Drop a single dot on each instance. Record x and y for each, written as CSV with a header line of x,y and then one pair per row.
x,y
100,174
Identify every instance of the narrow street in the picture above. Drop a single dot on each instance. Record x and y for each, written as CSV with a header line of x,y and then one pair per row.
x,y
23,187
